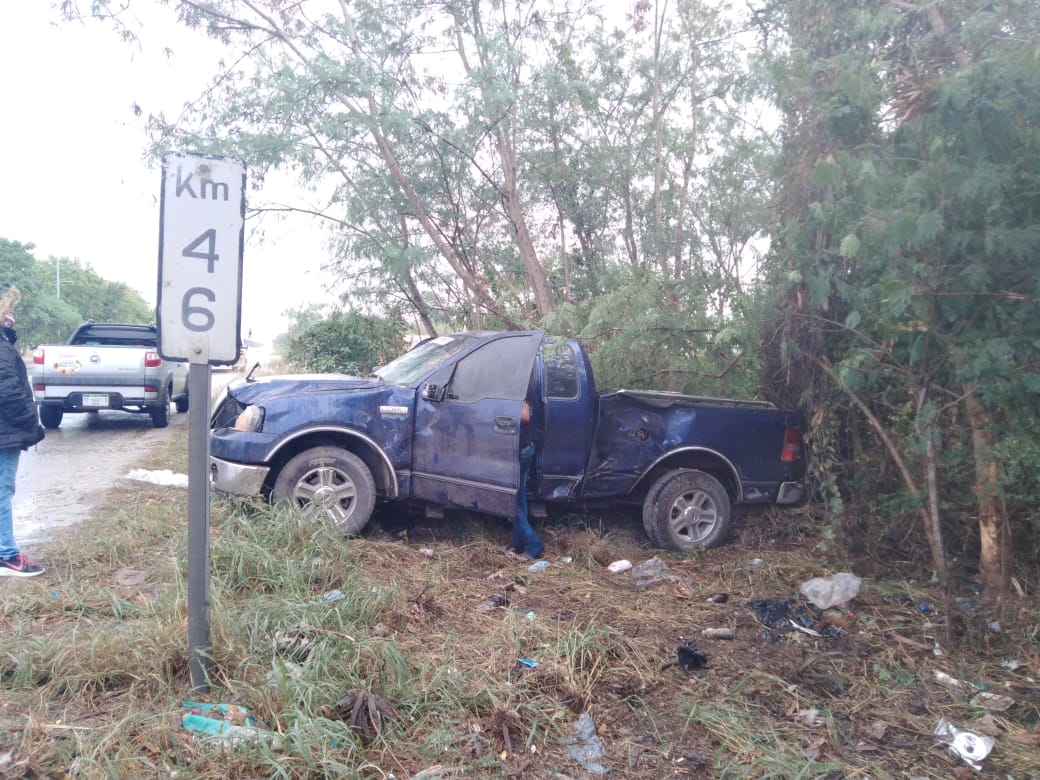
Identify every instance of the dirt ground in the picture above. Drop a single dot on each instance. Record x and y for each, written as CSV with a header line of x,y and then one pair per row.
x,y
858,693
852,692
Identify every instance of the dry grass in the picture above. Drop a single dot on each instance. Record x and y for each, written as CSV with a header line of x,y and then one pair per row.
x,y
428,637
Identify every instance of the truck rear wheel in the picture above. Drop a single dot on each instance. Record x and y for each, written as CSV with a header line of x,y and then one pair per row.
x,y
686,509
50,416
161,413
328,485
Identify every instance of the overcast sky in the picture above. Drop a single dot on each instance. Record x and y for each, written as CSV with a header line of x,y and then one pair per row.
x,y
75,181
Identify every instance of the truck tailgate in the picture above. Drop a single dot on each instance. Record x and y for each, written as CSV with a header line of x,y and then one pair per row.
x,y
77,367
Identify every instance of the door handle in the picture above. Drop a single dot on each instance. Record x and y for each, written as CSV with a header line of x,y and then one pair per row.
x,y
505,424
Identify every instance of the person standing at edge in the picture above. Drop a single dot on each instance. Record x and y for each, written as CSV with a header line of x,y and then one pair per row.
x,y
525,540
19,429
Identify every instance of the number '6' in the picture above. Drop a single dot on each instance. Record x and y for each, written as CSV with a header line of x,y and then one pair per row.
x,y
188,311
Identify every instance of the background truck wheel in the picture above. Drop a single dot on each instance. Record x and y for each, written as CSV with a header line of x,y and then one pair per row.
x,y
50,417
687,509
330,485
181,404
161,413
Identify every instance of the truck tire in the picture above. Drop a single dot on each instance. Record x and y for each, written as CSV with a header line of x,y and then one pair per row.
x,y
687,509
161,413
181,404
328,485
50,416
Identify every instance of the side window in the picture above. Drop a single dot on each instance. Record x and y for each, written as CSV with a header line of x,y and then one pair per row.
x,y
497,370
561,370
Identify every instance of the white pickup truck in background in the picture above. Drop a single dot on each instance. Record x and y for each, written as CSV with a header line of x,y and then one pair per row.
x,y
108,365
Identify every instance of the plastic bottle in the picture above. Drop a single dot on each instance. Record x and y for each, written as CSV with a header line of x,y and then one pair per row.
x,y
718,633
538,566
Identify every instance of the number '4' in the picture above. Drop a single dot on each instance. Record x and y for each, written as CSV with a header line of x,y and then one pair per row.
x,y
209,240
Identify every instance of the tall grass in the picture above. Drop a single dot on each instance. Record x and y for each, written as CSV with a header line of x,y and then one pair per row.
x,y
94,659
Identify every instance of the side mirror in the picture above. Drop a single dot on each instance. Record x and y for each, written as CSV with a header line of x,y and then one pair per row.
x,y
432,392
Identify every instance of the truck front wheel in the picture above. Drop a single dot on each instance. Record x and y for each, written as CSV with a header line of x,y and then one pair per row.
x,y
686,509
328,485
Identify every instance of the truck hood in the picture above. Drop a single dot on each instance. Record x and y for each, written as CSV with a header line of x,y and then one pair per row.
x,y
267,388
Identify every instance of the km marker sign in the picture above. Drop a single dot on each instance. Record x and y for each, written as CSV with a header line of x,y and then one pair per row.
x,y
201,234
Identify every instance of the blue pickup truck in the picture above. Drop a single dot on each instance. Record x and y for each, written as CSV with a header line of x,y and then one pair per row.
x,y
439,427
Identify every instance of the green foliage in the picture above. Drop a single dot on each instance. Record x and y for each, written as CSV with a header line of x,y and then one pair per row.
x,y
643,336
346,342
916,238
58,294
899,195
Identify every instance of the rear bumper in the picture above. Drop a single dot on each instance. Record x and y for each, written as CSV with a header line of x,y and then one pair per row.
x,y
76,402
236,479
790,493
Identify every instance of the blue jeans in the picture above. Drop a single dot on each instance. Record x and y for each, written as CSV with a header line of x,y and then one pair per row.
x,y
8,470
525,540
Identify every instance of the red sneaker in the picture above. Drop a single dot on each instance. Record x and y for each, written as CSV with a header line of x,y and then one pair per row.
x,y
19,566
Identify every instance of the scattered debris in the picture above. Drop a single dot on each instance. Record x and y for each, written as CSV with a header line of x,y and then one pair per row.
x,y
971,748
960,687
779,613
718,598
332,595
992,701
689,656
494,601
804,629
809,717
649,569
296,646
617,567
717,633
752,565
364,713
587,748
231,724
827,592
538,566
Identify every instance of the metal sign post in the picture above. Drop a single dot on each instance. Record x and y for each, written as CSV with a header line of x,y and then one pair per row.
x,y
199,303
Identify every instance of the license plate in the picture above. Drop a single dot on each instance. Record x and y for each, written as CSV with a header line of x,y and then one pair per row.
x,y
95,399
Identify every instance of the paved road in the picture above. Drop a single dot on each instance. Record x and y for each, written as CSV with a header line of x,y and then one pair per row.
x,y
64,478
61,480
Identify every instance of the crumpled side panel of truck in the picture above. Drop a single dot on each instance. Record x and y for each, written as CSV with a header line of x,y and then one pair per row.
x,y
635,431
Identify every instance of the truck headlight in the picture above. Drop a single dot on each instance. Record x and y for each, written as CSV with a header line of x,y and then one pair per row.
x,y
250,419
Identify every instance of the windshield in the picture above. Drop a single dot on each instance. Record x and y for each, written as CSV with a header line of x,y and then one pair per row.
x,y
417,363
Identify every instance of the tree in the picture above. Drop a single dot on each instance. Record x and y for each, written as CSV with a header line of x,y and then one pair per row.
x,y
49,314
347,342
909,220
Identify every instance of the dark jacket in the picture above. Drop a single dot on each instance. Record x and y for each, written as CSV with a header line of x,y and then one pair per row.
x,y
19,422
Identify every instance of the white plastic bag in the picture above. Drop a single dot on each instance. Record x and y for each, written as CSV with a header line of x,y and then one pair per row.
x,y
827,592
